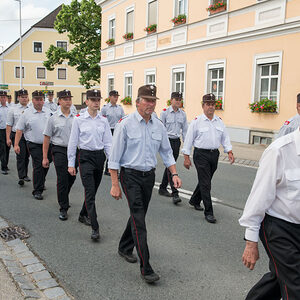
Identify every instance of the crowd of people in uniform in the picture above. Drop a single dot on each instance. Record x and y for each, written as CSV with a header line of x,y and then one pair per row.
x,y
49,131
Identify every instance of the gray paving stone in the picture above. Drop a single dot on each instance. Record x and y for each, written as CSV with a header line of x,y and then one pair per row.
x,y
65,298
26,286
256,164
35,268
252,163
2,247
41,275
25,254
21,279
15,270
3,224
31,294
6,255
247,162
46,284
54,292
241,161
29,261
11,263
1,219
20,248
14,243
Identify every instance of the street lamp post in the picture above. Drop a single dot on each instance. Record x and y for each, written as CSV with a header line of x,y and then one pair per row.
x,y
21,68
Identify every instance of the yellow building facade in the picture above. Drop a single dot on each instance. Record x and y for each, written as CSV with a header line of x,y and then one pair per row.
x,y
242,52
35,43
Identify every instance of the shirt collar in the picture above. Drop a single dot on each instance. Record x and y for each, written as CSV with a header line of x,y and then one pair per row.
x,y
140,118
172,110
35,111
60,113
204,117
297,140
87,115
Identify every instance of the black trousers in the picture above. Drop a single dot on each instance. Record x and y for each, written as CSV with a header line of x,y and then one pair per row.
x,y
106,164
206,163
38,173
281,241
137,187
23,157
64,179
91,164
167,178
4,150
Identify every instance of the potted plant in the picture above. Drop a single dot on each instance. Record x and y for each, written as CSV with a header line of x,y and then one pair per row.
x,y
107,100
151,28
217,7
180,19
128,36
219,104
127,101
264,105
110,42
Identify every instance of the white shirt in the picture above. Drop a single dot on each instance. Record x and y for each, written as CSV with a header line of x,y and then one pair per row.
x,y
113,113
89,134
209,134
3,116
276,188
289,126
14,114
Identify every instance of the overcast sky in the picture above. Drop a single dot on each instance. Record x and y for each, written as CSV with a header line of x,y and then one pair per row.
x,y
32,12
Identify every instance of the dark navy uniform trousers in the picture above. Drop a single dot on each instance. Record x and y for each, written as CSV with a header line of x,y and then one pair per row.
x,y
4,150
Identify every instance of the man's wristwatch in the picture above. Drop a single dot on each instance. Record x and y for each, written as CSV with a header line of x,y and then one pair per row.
x,y
175,174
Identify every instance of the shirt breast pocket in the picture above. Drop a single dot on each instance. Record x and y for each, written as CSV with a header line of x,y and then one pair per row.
x,y
156,140
293,184
202,130
58,129
219,130
100,131
85,128
170,119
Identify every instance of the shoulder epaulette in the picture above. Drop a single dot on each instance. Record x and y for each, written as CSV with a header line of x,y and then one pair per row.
x,y
286,122
78,115
164,109
122,119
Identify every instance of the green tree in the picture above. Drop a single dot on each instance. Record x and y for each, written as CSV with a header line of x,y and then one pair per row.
x,y
82,22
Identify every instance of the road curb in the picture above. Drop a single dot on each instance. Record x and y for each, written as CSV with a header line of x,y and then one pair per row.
x,y
28,272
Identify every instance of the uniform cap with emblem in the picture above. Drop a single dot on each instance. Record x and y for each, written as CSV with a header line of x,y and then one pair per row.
x,y
50,93
298,98
147,91
209,98
38,94
93,94
176,95
114,93
64,94
3,93
22,92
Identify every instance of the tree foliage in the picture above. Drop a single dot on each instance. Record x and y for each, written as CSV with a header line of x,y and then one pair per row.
x,y
82,23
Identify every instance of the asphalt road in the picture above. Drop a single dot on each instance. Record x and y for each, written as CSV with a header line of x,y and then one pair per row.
x,y
195,260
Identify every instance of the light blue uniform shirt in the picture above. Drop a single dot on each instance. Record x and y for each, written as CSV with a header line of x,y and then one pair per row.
x,y
113,113
175,122
51,105
89,134
14,114
136,143
3,116
289,126
208,134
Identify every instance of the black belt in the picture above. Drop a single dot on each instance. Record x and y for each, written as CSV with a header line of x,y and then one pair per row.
x,y
92,151
206,150
137,172
62,147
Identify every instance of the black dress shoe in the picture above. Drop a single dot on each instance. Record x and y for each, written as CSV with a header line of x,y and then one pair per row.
x,y
131,258
38,196
63,215
85,220
4,172
176,199
21,182
27,179
210,219
164,192
150,278
95,236
196,206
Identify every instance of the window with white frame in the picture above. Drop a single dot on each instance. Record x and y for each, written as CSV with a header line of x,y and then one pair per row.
x,y
152,12
112,28
62,73
128,85
150,76
110,83
62,44
215,81
178,80
180,7
40,73
37,47
129,21
17,72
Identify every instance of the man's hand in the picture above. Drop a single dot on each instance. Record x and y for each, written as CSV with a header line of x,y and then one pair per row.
x,y
250,255
17,149
177,182
231,157
8,142
116,192
45,163
72,171
187,162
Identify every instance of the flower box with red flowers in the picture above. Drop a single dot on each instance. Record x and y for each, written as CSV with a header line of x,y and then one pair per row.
x,y
110,42
128,36
217,7
180,19
151,28
264,105
219,104
127,101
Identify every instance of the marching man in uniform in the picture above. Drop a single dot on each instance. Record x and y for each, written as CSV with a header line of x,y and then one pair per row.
x,y
58,130
206,133
137,139
91,134
176,124
49,103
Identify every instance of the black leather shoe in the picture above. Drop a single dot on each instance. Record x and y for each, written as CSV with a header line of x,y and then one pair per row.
x,y
27,179
210,219
95,236
131,258
106,173
21,182
196,206
38,196
85,220
176,199
63,215
150,278
164,192
4,172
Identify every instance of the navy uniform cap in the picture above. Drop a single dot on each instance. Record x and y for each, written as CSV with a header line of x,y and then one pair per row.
x,y
3,93
147,91
91,94
38,94
114,93
176,95
64,94
209,98
50,93
22,92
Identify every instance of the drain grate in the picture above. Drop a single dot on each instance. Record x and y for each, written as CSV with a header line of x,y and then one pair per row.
x,y
12,233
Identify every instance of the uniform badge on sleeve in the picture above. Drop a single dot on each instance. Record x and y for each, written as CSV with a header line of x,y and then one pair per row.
x,y
164,109
78,115
287,122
